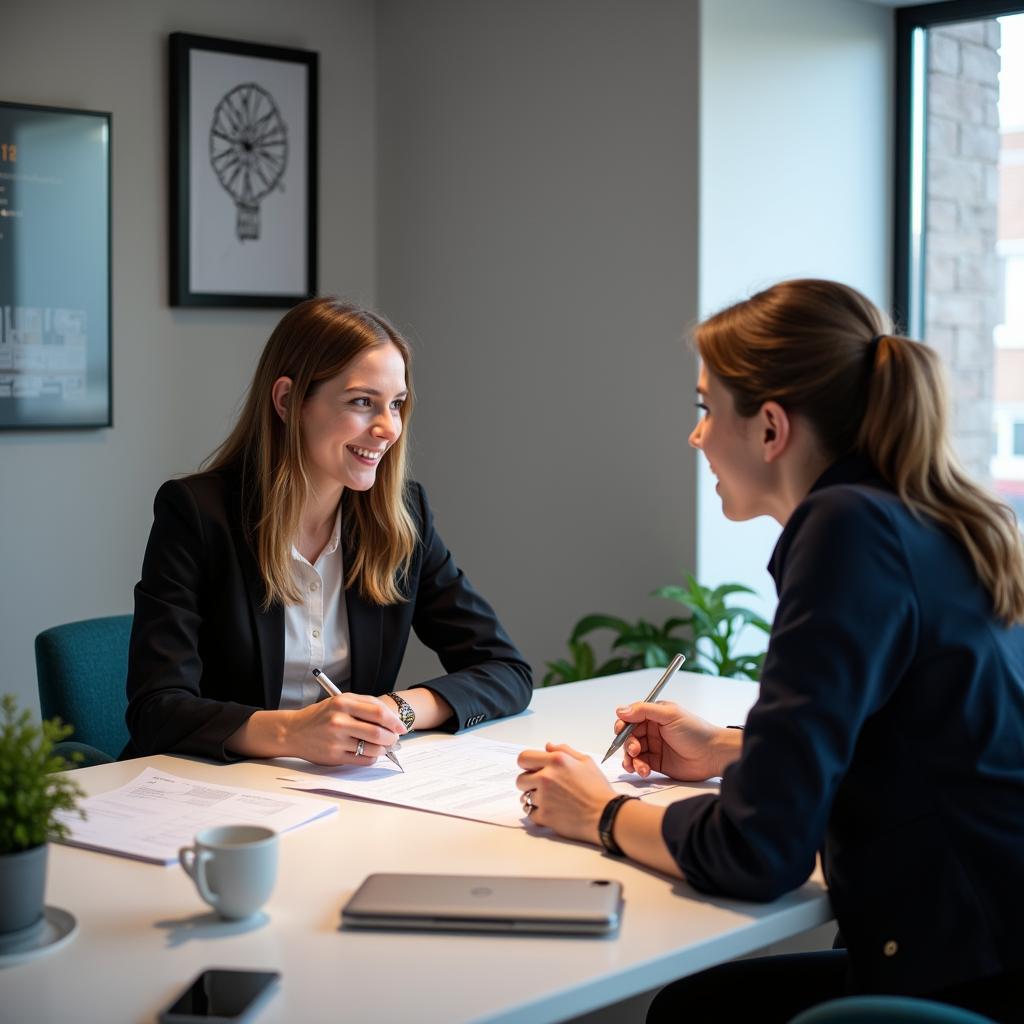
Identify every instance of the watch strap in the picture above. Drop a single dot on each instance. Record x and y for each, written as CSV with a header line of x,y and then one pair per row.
x,y
405,710
606,825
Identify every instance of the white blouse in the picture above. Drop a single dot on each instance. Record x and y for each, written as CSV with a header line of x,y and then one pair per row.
x,y
316,630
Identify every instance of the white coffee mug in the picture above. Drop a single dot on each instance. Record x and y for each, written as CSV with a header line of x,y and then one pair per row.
x,y
234,867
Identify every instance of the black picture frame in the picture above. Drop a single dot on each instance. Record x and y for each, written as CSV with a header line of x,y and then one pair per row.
x,y
243,173
55,268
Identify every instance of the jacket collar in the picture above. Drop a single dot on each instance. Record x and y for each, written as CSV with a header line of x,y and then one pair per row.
x,y
850,469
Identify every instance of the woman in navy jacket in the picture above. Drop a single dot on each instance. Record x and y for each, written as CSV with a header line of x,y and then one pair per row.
x,y
304,546
889,729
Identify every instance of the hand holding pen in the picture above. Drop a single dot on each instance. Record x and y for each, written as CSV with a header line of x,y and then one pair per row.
x,y
660,736
331,690
652,696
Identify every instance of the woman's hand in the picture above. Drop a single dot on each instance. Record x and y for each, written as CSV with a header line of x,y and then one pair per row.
x,y
675,742
330,731
325,733
567,790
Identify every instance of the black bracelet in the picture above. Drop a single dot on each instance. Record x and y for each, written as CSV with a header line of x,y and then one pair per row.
x,y
607,823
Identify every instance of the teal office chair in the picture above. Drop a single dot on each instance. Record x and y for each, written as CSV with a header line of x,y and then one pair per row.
x,y
887,1010
81,669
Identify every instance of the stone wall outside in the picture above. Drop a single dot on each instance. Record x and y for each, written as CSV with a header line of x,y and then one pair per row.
x,y
962,195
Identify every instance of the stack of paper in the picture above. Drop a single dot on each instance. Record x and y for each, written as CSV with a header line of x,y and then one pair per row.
x,y
154,815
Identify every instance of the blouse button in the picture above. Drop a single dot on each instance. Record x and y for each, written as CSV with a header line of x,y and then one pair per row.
x,y
891,948
314,587
316,634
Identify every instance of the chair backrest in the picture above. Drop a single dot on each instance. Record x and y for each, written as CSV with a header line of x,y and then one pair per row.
x,y
887,1010
81,668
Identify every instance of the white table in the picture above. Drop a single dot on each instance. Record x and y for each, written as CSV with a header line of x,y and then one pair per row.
x,y
144,933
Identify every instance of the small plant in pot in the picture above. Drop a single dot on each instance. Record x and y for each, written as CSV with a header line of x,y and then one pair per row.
x,y
31,794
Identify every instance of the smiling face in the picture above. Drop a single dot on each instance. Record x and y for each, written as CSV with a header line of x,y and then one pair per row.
x,y
734,450
351,420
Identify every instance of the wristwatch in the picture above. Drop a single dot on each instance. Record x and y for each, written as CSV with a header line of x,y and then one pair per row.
x,y
607,823
405,711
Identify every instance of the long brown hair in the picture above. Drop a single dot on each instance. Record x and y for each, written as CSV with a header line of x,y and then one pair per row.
x,y
314,342
823,350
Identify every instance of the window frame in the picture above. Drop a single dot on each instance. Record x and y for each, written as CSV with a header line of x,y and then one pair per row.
x,y
908,20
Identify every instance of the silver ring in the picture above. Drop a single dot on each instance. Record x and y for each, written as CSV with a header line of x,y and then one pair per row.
x,y
359,748
527,800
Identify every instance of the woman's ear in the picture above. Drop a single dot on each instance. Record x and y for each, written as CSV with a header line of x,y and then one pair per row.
x,y
776,429
279,394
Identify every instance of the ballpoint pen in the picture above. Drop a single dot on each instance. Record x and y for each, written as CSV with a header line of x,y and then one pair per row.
x,y
332,691
653,695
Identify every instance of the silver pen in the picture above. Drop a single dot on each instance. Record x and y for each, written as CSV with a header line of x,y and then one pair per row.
x,y
332,691
653,695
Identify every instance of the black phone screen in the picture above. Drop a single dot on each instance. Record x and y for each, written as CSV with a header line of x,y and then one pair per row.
x,y
220,994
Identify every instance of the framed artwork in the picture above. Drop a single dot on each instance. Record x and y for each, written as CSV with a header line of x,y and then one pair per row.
x,y
243,155
54,268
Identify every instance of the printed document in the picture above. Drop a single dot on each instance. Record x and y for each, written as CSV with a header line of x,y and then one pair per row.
x,y
463,776
154,815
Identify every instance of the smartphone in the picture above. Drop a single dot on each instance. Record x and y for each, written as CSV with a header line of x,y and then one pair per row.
x,y
220,997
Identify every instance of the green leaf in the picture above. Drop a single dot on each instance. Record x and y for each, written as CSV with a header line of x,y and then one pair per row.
x,y
591,622
654,657
613,666
729,588
671,625
584,655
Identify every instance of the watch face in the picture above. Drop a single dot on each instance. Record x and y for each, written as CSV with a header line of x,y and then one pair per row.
x,y
405,711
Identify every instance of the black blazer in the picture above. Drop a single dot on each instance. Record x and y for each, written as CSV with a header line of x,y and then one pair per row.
x,y
889,730
204,656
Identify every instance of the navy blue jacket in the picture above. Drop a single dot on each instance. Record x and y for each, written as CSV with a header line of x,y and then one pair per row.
x,y
204,655
889,731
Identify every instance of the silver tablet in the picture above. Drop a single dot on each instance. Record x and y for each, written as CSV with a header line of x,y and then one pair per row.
x,y
561,906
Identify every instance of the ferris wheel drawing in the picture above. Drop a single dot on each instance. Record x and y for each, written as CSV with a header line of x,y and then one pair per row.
x,y
248,152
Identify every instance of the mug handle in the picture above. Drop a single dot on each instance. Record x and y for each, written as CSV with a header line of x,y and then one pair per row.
x,y
193,862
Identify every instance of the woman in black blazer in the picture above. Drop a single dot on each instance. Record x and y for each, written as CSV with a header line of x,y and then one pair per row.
x,y
889,729
304,546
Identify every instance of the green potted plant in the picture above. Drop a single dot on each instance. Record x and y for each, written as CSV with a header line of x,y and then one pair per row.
x,y
31,794
707,633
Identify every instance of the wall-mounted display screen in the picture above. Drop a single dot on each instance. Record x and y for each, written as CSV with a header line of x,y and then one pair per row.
x,y
54,268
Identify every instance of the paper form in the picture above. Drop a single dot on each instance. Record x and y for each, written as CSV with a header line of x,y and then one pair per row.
x,y
154,815
462,776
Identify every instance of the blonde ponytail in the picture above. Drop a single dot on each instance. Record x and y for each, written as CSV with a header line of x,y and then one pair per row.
x,y
905,435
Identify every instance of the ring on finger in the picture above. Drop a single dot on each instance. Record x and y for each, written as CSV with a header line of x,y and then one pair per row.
x,y
359,748
527,800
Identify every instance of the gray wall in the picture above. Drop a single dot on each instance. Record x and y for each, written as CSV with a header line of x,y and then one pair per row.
x,y
76,506
538,235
